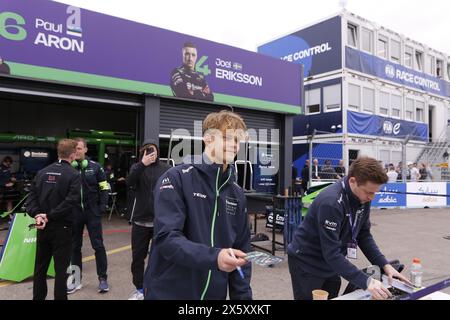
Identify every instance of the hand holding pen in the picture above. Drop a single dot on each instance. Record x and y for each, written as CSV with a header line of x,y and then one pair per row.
x,y
238,267
230,260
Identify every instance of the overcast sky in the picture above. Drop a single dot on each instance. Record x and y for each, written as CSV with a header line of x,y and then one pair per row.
x,y
249,23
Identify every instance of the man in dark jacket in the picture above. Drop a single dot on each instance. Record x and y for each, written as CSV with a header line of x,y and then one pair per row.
x,y
336,224
305,176
316,170
7,181
94,202
201,223
143,177
340,170
55,191
328,172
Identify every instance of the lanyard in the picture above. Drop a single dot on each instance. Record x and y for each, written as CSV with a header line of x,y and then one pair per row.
x,y
353,224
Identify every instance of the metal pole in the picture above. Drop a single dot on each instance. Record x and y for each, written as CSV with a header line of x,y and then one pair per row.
x,y
310,156
169,151
404,142
244,184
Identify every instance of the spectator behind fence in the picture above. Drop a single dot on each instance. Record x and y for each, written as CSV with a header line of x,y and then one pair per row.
x,y
399,170
415,174
305,176
340,170
315,170
429,172
392,174
328,172
445,155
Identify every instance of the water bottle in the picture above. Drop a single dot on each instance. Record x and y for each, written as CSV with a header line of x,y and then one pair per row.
x,y
416,273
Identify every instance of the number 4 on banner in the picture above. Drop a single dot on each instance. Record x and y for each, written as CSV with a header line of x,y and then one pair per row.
x,y
202,69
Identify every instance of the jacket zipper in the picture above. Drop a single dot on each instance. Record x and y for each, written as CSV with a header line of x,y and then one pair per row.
x,y
81,191
217,191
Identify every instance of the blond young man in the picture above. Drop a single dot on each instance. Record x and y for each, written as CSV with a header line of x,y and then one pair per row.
x,y
201,224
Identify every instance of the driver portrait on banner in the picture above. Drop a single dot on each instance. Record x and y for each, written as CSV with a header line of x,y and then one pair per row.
x,y
185,82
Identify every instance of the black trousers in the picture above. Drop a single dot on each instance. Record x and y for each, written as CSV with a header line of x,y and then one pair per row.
x,y
304,283
94,227
53,241
140,241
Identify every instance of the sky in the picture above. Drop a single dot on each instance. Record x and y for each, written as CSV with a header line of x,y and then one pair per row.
x,y
249,23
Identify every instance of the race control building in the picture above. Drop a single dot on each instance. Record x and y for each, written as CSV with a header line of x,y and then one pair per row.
x,y
368,90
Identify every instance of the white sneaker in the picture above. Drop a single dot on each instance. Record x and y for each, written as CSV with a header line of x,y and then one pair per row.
x,y
71,290
136,296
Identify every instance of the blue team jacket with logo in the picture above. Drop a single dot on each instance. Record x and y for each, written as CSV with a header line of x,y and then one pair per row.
x,y
198,211
320,242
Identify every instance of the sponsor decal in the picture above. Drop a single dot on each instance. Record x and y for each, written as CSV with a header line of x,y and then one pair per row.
x,y
330,225
187,170
316,50
389,128
231,205
199,195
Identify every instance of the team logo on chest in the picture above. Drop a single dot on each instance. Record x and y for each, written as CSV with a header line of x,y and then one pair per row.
x,y
231,205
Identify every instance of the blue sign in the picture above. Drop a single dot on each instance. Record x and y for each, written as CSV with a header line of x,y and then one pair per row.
x,y
448,193
367,124
264,173
390,195
369,64
318,47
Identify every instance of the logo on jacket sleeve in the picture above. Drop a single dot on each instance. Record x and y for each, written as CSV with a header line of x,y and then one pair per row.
x,y
166,184
330,225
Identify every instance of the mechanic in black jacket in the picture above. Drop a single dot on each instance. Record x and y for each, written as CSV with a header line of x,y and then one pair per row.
x,y
94,201
201,224
55,192
143,177
336,224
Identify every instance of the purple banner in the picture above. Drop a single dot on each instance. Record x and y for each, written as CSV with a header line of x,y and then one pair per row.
x,y
59,37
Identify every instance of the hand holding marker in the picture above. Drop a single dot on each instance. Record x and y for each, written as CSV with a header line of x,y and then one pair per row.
x,y
238,268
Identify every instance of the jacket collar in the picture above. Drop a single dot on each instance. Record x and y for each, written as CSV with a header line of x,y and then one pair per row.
x,y
205,165
63,161
354,201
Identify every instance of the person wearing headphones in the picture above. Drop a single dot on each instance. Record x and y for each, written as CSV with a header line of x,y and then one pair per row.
x,y
93,204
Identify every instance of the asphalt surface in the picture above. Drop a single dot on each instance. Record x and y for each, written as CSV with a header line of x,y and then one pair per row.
x,y
401,234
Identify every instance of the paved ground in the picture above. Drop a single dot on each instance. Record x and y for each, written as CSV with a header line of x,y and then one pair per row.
x,y
401,234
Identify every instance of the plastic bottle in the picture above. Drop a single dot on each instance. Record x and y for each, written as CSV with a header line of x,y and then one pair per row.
x,y
416,273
